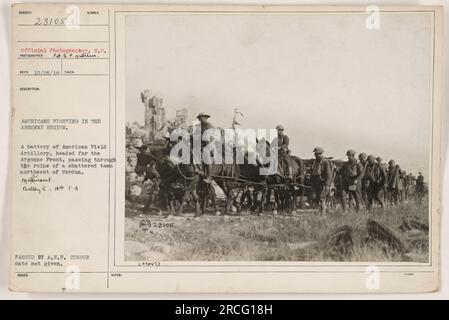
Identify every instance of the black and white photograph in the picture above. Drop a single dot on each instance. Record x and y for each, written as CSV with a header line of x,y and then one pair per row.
x,y
226,150
289,136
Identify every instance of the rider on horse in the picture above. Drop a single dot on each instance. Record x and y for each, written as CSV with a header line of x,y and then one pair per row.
x,y
283,151
205,125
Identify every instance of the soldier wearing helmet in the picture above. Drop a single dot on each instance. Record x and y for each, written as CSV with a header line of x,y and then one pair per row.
x,y
378,177
321,179
363,158
394,183
204,125
382,165
283,142
420,186
368,170
402,184
411,185
352,174
365,179
391,164
379,160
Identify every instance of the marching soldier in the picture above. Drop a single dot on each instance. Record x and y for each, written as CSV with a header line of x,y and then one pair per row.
x,y
420,186
379,160
365,179
321,179
363,159
411,185
352,173
393,182
378,178
402,184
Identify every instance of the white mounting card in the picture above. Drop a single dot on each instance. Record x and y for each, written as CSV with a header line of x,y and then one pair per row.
x,y
163,148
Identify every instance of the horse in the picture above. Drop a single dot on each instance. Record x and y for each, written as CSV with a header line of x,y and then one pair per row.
x,y
287,186
226,175
233,177
171,173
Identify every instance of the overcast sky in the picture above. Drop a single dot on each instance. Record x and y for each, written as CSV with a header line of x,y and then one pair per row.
x,y
329,80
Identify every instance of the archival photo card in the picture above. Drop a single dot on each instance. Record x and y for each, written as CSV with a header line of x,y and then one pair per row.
x,y
226,148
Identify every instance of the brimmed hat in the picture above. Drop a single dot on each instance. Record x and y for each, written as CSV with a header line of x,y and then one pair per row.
x,y
203,114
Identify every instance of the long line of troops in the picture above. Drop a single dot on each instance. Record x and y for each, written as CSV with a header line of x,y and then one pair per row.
x,y
364,180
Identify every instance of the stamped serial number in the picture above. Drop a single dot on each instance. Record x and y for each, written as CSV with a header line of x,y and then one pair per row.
x,y
45,21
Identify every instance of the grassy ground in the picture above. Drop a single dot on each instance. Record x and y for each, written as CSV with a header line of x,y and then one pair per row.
x,y
300,237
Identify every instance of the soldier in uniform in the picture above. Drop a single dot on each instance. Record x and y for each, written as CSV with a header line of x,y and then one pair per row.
x,y
420,186
321,179
411,185
352,173
406,183
400,184
403,185
378,178
363,158
365,179
204,125
379,160
283,142
393,182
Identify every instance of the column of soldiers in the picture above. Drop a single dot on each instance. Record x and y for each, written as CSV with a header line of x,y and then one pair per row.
x,y
362,182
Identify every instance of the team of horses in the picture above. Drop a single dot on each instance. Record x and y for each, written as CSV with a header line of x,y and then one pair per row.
x,y
180,183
